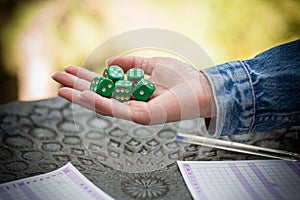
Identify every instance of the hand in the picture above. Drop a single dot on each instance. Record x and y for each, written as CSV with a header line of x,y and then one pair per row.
x,y
181,91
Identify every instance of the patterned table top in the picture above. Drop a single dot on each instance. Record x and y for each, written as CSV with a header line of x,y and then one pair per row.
x,y
126,160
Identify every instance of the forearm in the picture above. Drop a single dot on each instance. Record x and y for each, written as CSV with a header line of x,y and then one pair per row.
x,y
259,94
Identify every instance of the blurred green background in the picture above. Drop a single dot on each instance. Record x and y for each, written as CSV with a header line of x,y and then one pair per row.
x,y
38,37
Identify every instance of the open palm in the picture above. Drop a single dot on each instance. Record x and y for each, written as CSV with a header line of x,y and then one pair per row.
x,y
181,91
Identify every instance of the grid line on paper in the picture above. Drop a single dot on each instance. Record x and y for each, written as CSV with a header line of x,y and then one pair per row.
x,y
29,193
283,178
58,184
194,182
52,186
294,167
243,181
262,179
82,184
265,181
5,194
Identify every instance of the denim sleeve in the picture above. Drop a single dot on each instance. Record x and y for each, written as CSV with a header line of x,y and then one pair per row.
x,y
259,94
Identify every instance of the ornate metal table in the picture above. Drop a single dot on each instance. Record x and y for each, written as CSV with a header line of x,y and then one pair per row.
x,y
126,160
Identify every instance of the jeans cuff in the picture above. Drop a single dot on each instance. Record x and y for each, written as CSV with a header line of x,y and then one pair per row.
x,y
234,97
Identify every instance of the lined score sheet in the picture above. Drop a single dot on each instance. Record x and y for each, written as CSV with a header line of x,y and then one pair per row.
x,y
259,179
64,183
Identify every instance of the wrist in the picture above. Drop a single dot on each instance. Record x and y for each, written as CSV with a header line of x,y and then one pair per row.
x,y
205,97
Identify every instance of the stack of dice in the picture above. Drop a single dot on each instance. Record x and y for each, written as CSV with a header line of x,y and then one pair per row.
x,y
112,84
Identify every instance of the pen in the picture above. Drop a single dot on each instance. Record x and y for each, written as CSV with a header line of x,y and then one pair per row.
x,y
235,146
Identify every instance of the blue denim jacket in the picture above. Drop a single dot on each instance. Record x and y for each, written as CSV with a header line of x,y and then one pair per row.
x,y
260,94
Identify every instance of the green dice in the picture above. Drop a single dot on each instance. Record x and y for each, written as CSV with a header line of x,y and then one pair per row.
x,y
102,86
143,90
114,73
123,90
112,84
135,75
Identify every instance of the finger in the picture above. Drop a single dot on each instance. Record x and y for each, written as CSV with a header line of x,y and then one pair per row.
x,y
128,62
72,81
88,100
107,106
136,111
81,73
74,96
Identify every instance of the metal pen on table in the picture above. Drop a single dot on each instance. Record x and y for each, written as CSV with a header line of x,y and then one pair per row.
x,y
237,147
